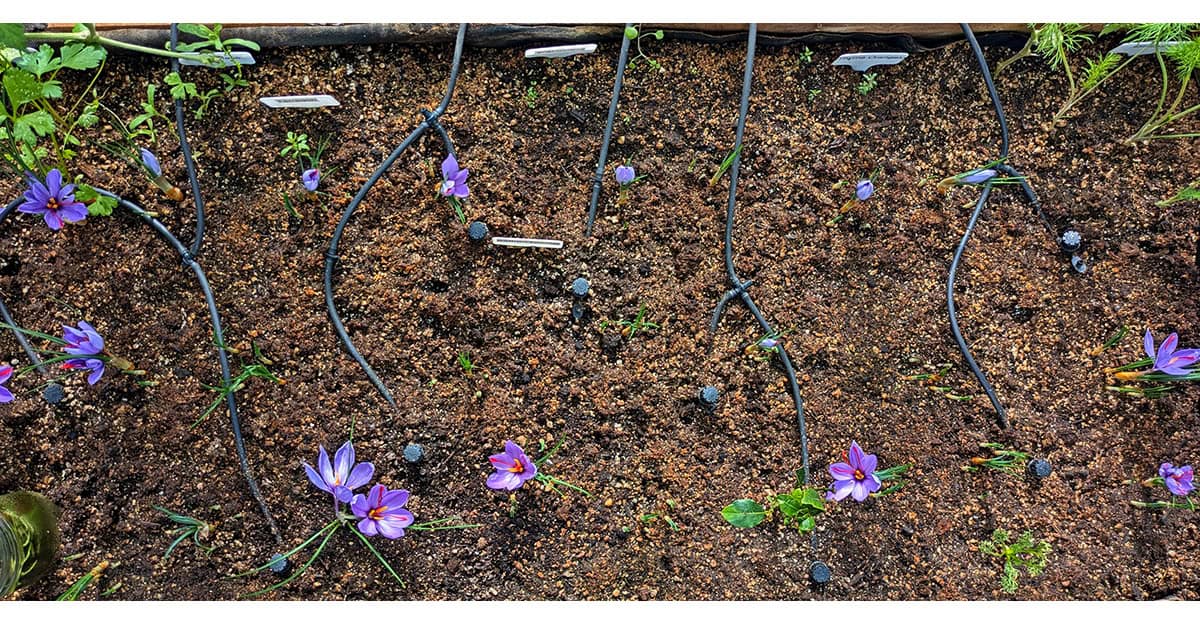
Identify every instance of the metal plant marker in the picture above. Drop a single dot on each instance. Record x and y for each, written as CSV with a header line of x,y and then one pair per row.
x,y
1142,48
862,61
227,60
549,244
560,52
299,101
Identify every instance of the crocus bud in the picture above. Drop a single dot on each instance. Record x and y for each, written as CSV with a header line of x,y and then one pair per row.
x,y
768,343
625,175
864,189
311,179
978,176
151,162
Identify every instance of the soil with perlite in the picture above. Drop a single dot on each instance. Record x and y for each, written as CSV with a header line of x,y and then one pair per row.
x,y
861,305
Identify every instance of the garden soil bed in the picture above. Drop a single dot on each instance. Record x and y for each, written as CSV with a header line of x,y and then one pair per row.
x,y
862,304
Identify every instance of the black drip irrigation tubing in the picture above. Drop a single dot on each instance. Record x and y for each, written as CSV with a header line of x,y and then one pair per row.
x,y
186,149
331,257
1008,170
739,286
608,128
190,262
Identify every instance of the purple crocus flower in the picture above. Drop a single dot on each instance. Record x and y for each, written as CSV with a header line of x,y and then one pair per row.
x,y
513,468
1178,479
82,341
978,176
625,175
54,201
768,343
864,189
311,178
95,365
1167,359
150,161
343,476
382,512
455,179
6,372
854,477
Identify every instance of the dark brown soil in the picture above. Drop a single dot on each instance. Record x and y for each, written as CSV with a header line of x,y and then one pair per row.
x,y
863,305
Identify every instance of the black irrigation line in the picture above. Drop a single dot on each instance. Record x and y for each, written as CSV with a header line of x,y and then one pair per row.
x,y
331,257
187,155
1008,170
739,287
190,262
608,129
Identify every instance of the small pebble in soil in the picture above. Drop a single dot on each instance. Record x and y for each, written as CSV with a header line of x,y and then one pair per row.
x,y
53,393
477,231
414,453
1040,468
709,396
279,565
580,287
820,573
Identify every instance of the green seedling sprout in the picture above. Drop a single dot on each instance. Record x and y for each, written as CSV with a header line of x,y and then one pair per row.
x,y
630,328
632,33
464,361
1008,461
1113,340
258,369
76,589
1025,553
1190,193
664,515
724,166
189,527
867,84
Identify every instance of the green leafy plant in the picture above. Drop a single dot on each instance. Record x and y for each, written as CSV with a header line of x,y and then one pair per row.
x,y
258,368
531,95
142,124
813,93
1008,461
806,56
661,515
1186,58
867,84
1024,553
631,327
632,33
464,361
1190,193
189,527
797,508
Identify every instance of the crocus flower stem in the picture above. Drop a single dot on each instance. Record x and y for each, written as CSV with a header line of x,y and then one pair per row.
x,y
551,481
377,555
328,531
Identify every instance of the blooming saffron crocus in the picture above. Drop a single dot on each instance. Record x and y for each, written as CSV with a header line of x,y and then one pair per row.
x,y
382,512
768,343
979,176
311,179
343,476
863,190
1177,479
854,477
455,179
150,161
625,175
95,365
513,468
6,372
82,341
54,201
1167,359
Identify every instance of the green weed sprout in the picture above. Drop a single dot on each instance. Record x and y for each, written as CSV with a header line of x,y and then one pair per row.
x,y
531,95
464,361
76,589
633,34
1008,461
724,166
664,515
1024,553
189,527
630,328
867,84
257,369
1190,193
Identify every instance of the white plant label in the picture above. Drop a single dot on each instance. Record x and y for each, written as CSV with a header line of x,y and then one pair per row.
x,y
560,52
862,61
300,101
550,244
1140,48
227,60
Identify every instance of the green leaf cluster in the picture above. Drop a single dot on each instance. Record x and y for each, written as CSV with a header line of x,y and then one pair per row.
x,y
1025,553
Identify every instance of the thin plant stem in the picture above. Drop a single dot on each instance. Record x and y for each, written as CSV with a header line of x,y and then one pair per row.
x,y
335,525
377,555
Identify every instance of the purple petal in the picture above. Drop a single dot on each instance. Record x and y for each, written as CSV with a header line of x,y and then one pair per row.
x,y
869,463
1165,469
1165,350
54,182
150,161
343,494
34,207
52,219
503,461
504,480
841,471
358,505
842,488
449,167
461,176
368,527
325,468
855,455
360,475
6,372
5,395
343,461
97,371
315,478
395,499
392,526
73,213
860,491
375,496
1148,344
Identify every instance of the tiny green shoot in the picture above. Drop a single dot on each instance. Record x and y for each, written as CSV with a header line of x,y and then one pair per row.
x,y
1024,553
